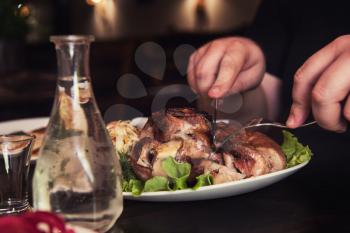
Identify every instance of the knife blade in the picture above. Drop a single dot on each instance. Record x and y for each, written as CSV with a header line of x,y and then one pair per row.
x,y
214,117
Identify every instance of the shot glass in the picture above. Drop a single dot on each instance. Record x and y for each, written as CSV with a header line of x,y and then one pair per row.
x,y
15,153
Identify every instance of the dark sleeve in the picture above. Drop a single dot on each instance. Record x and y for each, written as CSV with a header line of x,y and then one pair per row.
x,y
270,30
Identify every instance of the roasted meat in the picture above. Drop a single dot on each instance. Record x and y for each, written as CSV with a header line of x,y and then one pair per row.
x,y
142,156
220,173
163,151
249,161
270,150
179,133
254,153
185,135
149,130
175,123
223,130
195,146
217,157
149,153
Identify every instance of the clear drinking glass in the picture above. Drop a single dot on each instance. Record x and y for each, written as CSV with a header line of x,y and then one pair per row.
x,y
14,168
77,174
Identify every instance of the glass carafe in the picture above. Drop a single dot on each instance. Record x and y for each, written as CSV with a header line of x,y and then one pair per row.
x,y
77,174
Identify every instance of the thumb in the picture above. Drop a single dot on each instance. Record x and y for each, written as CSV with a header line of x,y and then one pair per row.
x,y
298,114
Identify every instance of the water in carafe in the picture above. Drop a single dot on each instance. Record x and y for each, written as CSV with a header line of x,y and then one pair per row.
x,y
77,173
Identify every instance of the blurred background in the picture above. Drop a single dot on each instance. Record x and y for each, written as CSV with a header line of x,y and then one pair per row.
x,y
28,62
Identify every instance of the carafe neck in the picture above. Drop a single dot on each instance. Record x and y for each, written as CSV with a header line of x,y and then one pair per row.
x,y
72,57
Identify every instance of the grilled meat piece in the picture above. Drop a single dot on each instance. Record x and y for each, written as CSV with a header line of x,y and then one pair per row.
x,y
178,122
185,135
223,130
163,151
254,153
147,156
220,173
149,130
249,161
217,157
142,156
270,150
228,159
195,146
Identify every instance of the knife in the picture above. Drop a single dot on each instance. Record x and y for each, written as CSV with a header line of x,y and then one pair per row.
x,y
214,116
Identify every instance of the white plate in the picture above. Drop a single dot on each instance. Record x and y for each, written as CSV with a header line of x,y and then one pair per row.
x,y
219,190
214,191
25,125
209,192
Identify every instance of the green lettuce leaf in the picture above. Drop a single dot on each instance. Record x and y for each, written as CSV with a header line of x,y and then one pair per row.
x,y
125,186
178,172
179,184
157,183
296,153
127,171
203,180
134,186
130,181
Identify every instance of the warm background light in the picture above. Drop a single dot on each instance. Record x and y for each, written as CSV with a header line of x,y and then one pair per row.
x,y
93,2
24,11
110,19
105,21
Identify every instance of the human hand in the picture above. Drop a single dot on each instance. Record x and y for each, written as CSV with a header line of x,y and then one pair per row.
x,y
322,84
226,65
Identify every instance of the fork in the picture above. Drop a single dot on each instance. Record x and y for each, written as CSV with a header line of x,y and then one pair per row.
x,y
257,123
276,124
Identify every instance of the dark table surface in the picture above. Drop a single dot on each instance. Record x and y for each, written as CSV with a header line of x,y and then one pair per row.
x,y
315,199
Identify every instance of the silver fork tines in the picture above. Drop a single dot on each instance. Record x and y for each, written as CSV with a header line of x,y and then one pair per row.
x,y
276,124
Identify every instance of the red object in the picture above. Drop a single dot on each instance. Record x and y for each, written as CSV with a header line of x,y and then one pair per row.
x,y
30,222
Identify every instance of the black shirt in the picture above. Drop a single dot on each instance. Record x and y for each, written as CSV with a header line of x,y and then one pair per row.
x,y
290,31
